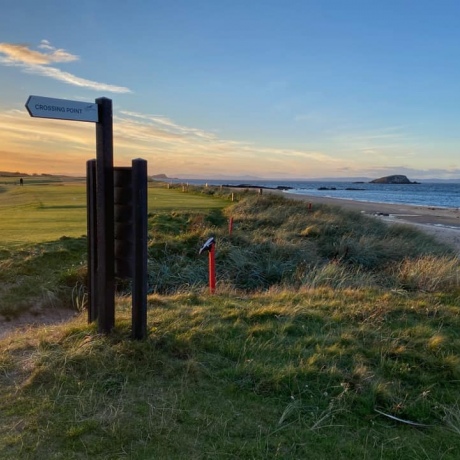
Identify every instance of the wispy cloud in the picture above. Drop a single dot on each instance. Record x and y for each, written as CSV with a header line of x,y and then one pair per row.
x,y
392,134
155,128
37,63
17,53
168,146
168,125
71,79
42,145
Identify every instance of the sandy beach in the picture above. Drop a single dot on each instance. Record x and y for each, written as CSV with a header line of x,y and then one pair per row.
x,y
443,223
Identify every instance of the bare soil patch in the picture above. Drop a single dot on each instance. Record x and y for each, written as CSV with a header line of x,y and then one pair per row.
x,y
36,319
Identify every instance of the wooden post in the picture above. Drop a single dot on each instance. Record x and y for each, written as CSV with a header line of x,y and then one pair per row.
x,y
139,307
123,221
91,221
105,216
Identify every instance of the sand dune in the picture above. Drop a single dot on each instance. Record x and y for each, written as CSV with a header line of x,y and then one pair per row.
x,y
442,223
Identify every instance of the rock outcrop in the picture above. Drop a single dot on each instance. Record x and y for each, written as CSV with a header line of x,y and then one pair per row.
x,y
160,176
396,179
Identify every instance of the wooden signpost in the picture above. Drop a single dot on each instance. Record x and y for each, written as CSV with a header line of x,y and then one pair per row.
x,y
62,109
100,213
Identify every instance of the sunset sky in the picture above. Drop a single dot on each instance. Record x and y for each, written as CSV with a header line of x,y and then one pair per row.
x,y
232,88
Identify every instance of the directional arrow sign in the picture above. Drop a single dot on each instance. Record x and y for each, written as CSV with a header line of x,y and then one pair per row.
x,y
62,109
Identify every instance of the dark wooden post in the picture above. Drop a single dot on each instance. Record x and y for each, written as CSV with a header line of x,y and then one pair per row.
x,y
91,238
105,217
123,217
139,307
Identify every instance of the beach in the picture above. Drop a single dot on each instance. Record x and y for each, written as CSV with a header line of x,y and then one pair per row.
x,y
442,223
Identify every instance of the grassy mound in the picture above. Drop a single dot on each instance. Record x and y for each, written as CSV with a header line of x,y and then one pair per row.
x,y
279,242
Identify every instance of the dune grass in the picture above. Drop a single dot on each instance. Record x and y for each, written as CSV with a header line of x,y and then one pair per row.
x,y
332,335
277,241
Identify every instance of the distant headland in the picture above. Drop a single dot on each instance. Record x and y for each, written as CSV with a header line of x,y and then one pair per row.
x,y
395,179
162,177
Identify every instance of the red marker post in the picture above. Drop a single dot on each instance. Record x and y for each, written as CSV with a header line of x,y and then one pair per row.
x,y
212,268
210,246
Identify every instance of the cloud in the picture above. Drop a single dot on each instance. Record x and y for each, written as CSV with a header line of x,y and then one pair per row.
x,y
67,77
168,125
168,146
155,129
58,146
37,63
23,54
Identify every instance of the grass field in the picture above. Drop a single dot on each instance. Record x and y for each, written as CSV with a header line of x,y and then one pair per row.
x,y
38,212
332,336
43,243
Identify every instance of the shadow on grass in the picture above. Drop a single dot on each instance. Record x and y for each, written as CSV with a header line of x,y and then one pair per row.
x,y
40,276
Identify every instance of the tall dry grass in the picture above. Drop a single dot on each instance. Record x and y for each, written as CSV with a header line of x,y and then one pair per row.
x,y
280,242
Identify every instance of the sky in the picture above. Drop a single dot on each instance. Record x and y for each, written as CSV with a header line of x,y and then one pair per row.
x,y
280,89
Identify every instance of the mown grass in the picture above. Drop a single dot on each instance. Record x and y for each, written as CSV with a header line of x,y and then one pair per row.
x,y
326,324
46,212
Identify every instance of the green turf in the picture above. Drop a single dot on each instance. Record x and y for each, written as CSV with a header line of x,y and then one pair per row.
x,y
33,180
40,213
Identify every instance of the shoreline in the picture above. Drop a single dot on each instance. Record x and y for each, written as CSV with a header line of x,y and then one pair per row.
x,y
408,213
428,215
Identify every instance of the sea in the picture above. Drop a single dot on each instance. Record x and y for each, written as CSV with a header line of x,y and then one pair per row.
x,y
429,194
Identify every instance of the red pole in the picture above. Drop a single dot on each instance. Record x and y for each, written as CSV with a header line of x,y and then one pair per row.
x,y
212,269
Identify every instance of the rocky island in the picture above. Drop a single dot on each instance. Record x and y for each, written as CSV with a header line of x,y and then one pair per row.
x,y
395,179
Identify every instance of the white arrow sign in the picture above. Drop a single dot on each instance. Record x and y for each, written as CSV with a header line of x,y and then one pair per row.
x,y
62,109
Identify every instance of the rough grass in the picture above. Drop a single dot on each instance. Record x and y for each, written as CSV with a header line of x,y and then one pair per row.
x,y
275,375
42,276
279,242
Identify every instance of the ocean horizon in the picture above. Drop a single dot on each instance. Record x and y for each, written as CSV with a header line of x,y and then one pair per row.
x,y
428,194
